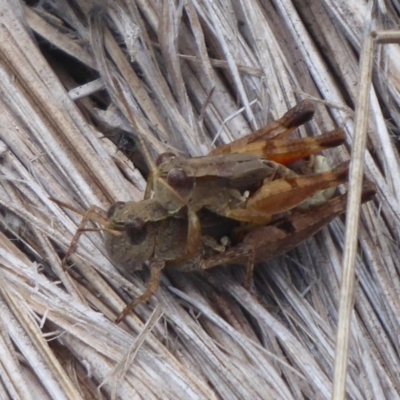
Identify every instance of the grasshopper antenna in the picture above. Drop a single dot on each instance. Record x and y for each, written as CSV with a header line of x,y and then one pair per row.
x,y
132,121
92,214
67,206
163,191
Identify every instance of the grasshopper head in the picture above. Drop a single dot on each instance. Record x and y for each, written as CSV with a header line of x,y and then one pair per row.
x,y
137,241
148,233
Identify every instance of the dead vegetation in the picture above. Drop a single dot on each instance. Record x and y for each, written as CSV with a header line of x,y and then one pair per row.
x,y
194,70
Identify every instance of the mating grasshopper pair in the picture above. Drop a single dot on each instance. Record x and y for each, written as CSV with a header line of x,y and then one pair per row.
x,y
240,204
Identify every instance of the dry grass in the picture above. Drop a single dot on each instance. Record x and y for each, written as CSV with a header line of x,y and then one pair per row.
x,y
200,337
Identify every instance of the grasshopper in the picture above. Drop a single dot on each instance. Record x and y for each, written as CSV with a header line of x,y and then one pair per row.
x,y
244,185
162,241
216,181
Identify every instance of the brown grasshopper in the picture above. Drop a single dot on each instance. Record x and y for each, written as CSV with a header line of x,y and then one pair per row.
x,y
238,185
163,241
217,181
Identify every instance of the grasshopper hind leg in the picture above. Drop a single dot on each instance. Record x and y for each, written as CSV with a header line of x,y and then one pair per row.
x,y
284,194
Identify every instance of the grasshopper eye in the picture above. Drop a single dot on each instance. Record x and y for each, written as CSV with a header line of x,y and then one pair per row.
x,y
136,230
178,179
164,157
114,208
